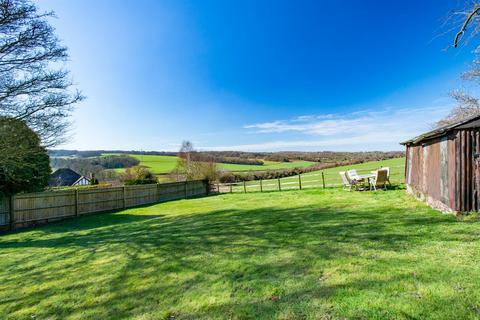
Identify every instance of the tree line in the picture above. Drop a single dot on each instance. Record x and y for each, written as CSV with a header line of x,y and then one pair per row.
x,y
95,165
250,158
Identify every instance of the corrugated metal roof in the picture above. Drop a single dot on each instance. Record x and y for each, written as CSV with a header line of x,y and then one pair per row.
x,y
439,131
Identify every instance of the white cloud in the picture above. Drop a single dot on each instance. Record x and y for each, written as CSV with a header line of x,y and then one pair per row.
x,y
378,129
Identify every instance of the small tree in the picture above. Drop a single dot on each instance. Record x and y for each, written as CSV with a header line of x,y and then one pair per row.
x,y
139,175
191,165
24,164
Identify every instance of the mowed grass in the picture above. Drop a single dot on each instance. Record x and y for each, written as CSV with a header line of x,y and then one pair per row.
x,y
331,175
310,254
165,164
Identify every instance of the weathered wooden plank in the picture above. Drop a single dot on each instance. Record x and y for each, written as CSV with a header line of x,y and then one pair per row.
x,y
45,206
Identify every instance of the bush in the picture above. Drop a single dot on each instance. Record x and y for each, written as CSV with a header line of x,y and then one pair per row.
x,y
138,175
255,162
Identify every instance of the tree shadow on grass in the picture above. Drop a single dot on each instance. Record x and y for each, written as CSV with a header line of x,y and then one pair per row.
x,y
388,228
255,254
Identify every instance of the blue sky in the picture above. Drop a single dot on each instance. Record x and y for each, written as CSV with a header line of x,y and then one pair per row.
x,y
258,75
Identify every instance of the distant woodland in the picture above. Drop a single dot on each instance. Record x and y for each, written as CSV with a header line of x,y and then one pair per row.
x,y
253,158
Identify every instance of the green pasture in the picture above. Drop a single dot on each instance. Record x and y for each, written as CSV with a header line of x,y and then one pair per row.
x,y
165,164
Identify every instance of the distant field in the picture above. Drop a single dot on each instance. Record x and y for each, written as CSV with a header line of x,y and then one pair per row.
x,y
332,178
269,165
165,164
157,164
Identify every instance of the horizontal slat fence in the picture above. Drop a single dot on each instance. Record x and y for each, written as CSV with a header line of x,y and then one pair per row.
x,y
39,208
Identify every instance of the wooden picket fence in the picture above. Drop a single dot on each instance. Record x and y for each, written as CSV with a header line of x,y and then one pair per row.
x,y
25,210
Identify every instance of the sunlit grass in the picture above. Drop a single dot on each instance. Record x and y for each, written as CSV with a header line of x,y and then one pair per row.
x,y
311,254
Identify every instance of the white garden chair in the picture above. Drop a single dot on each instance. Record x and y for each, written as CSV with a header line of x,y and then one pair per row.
x,y
388,174
380,180
352,174
347,181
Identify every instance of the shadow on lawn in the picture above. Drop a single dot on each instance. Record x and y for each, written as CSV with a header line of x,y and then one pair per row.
x,y
229,246
265,228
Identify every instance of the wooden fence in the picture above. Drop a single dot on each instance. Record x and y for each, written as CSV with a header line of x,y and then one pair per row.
x,y
26,210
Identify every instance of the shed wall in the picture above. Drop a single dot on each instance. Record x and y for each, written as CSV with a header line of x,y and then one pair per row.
x,y
430,174
467,169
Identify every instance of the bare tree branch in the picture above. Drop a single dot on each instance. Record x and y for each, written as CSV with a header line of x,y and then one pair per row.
x,y
31,88
462,30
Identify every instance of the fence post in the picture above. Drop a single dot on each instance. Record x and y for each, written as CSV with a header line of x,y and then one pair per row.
x,y
323,180
245,186
124,197
207,184
12,212
261,186
231,189
218,187
300,181
76,201
185,189
279,186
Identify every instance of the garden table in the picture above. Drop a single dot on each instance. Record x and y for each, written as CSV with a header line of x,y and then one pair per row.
x,y
365,178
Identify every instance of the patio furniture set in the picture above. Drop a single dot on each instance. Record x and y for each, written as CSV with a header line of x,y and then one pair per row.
x,y
372,181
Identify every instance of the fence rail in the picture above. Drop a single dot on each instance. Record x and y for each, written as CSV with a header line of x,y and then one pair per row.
x,y
38,208
302,181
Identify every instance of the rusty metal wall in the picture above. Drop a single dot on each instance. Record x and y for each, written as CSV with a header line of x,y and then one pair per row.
x,y
447,169
429,170
451,167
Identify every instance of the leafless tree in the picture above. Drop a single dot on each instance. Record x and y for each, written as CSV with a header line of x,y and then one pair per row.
x,y
466,106
34,86
470,21
468,26
192,165
469,29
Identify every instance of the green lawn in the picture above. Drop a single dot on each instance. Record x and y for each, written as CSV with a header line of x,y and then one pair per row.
x,y
310,254
165,164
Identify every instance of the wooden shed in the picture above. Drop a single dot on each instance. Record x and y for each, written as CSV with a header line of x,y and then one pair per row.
x,y
443,166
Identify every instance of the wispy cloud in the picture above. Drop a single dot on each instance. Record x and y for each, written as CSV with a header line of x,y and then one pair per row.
x,y
353,123
377,129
